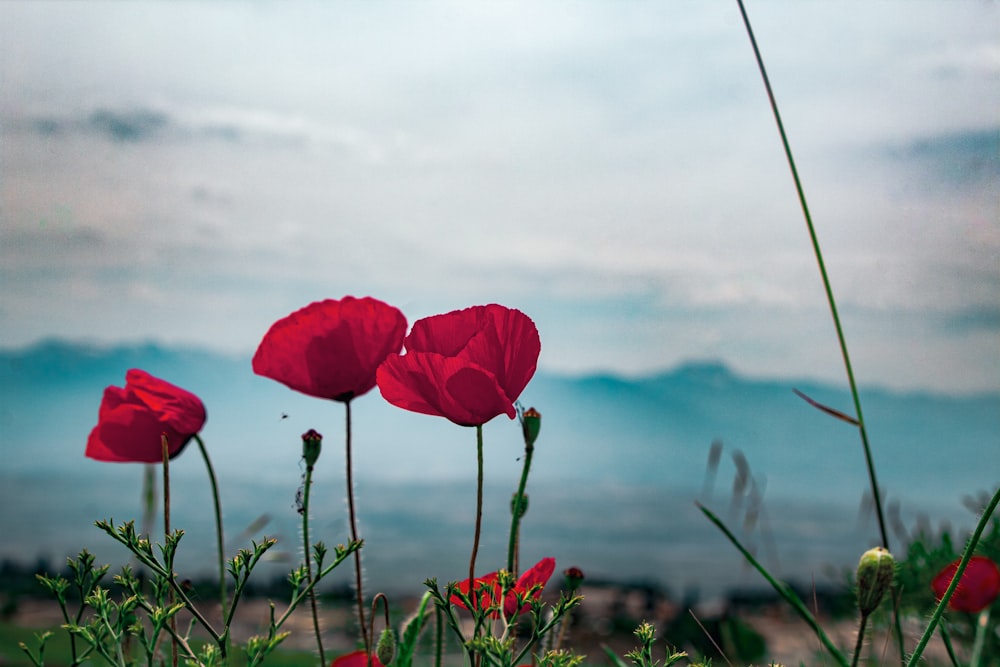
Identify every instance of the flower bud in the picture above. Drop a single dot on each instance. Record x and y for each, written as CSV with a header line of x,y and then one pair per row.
x,y
312,442
574,577
875,573
531,424
385,650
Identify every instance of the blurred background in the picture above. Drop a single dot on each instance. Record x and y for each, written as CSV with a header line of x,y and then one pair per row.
x,y
177,176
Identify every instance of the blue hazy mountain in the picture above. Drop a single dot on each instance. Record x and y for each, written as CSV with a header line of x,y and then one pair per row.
x,y
619,460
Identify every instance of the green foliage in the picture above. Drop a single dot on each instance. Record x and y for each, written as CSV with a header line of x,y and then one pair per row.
x,y
927,554
114,626
500,649
642,655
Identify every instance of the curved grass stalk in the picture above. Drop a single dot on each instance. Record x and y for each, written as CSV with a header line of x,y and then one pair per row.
x,y
842,340
782,589
218,522
826,284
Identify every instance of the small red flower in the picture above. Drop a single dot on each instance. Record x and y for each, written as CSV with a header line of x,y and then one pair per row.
x,y
132,420
488,588
978,588
355,659
331,349
467,366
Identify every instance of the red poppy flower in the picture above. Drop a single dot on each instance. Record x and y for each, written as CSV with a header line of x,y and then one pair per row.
x,y
355,659
467,366
330,349
133,420
978,588
489,588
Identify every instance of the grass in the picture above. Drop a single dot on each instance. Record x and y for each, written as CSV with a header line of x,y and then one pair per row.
x,y
57,651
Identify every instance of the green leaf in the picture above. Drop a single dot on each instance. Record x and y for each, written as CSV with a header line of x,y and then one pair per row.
x,y
615,660
411,633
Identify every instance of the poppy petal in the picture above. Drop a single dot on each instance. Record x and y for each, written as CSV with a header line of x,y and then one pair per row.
x,y
355,659
497,346
509,346
537,575
978,588
486,586
181,410
132,420
449,387
448,333
331,349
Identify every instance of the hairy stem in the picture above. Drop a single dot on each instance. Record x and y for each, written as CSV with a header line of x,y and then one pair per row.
x,y
166,532
479,516
515,524
298,596
354,530
861,640
308,557
438,635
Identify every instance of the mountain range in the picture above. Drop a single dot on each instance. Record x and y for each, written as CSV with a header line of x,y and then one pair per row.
x,y
614,452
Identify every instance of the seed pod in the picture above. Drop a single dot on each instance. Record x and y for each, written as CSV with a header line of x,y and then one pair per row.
x,y
385,650
876,570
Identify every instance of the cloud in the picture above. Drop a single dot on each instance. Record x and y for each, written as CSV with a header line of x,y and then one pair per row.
x,y
985,319
252,126
967,159
127,126
615,170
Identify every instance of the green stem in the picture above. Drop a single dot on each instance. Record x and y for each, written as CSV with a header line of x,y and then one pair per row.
x,y
861,640
826,281
219,541
166,572
189,652
977,645
946,639
371,619
308,557
515,524
479,516
855,396
943,604
474,660
354,530
299,595
438,635
166,533
148,498
783,590
538,632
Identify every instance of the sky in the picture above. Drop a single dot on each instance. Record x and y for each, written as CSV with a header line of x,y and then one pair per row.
x,y
190,172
